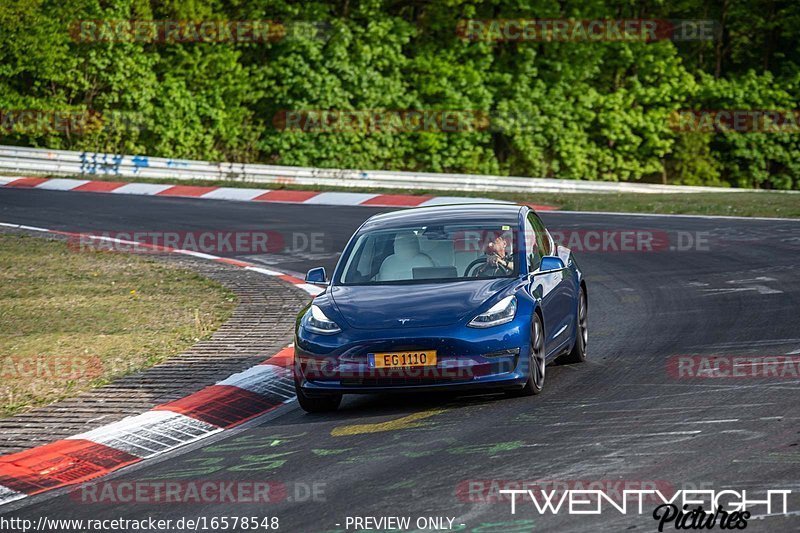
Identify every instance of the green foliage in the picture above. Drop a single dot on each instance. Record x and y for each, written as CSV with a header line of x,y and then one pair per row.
x,y
573,110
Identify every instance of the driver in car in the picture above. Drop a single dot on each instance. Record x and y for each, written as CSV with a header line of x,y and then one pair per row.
x,y
498,261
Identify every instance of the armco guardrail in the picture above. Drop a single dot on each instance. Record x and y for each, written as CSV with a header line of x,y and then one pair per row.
x,y
59,162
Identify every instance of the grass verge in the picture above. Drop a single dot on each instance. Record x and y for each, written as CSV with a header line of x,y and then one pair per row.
x,y
70,320
744,204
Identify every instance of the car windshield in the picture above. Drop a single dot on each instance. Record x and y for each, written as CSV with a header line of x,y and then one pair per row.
x,y
449,252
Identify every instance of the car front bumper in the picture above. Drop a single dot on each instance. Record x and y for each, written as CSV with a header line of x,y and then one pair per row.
x,y
467,359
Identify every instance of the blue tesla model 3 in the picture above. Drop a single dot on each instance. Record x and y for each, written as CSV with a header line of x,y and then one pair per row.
x,y
458,297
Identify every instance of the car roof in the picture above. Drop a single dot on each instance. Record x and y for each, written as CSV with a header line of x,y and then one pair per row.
x,y
446,213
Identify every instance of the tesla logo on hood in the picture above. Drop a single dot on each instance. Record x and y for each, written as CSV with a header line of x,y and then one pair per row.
x,y
403,320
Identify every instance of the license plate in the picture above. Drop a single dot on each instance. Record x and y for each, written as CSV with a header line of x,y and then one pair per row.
x,y
403,359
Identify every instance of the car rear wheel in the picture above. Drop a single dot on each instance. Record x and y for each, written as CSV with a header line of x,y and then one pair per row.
x,y
536,362
578,353
317,404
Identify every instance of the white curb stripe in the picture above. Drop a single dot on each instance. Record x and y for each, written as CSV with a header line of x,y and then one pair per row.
x,y
313,290
241,194
266,379
150,433
61,184
232,193
7,495
146,189
448,200
249,194
340,198
160,430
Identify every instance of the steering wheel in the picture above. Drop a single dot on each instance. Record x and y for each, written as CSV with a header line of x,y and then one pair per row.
x,y
468,271
473,264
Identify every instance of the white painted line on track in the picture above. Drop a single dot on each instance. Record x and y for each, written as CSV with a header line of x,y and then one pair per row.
x,y
33,228
721,421
661,434
265,271
201,255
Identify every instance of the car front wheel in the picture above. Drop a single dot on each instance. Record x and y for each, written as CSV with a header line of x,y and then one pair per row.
x,y
536,362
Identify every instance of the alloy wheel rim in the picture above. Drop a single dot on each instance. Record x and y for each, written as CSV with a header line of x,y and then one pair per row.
x,y
583,319
537,356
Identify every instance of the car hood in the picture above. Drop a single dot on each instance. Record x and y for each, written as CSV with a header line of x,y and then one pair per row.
x,y
425,304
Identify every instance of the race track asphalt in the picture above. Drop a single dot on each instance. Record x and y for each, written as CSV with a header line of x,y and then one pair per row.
x,y
619,417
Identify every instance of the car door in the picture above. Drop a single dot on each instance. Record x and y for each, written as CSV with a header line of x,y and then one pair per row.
x,y
555,288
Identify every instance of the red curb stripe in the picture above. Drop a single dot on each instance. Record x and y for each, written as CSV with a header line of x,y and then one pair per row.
x,y
100,186
233,262
284,358
187,190
71,461
60,463
290,279
286,196
397,200
538,207
26,183
224,406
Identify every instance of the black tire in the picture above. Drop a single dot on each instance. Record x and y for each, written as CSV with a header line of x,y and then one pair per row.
x,y
317,404
536,363
578,353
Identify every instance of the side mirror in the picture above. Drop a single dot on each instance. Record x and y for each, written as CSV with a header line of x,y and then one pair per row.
x,y
316,276
551,264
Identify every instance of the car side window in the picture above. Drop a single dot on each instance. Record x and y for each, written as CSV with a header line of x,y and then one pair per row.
x,y
538,237
532,247
542,238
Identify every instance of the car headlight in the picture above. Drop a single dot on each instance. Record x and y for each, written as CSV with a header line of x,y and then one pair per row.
x,y
500,313
315,321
